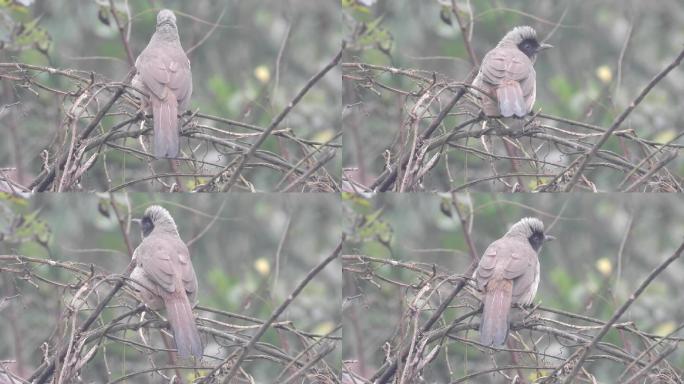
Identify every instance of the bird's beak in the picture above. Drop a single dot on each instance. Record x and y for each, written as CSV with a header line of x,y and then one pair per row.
x,y
138,221
544,46
549,238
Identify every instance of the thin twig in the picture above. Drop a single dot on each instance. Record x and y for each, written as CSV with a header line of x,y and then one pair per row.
x,y
620,119
578,364
281,116
264,327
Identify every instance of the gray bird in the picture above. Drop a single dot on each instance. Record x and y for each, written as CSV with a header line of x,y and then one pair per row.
x,y
166,277
508,273
507,74
163,74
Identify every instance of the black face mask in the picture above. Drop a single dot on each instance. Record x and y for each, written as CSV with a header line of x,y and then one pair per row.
x,y
536,240
529,47
147,226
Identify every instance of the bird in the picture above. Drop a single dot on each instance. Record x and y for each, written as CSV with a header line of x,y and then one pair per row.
x,y
507,75
508,273
166,279
163,75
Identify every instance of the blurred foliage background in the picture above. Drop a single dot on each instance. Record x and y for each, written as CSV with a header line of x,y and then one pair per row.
x,y
605,53
246,68
605,247
249,252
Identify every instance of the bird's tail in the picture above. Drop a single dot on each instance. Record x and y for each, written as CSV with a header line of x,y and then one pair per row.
x,y
511,99
497,304
165,114
185,332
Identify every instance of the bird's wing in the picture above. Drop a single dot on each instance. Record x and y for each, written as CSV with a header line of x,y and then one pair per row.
x,y
509,259
162,68
188,274
487,266
521,268
504,64
529,89
165,259
153,72
180,80
487,101
528,84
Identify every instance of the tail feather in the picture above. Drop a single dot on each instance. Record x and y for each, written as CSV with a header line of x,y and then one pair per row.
x,y
165,114
497,305
511,99
183,325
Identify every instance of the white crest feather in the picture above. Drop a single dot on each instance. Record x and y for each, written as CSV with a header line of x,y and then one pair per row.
x,y
161,218
526,227
516,35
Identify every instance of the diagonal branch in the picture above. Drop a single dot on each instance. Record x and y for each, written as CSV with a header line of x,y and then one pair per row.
x,y
620,119
620,311
43,373
274,316
385,373
281,116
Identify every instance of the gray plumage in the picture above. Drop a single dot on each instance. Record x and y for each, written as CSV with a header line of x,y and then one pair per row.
x,y
507,75
508,273
167,279
163,74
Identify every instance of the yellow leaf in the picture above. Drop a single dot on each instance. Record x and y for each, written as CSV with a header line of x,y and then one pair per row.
x,y
665,136
532,376
262,266
324,135
604,266
324,328
604,74
665,329
262,73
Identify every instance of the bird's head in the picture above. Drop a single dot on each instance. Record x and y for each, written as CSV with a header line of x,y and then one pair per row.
x,y
525,38
166,26
156,217
166,16
532,229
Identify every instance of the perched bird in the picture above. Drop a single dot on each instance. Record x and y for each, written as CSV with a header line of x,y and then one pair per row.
x,y
163,74
166,277
507,74
508,273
